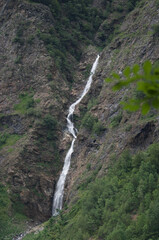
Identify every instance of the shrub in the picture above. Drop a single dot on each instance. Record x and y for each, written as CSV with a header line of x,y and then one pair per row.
x,y
88,166
115,121
156,29
128,128
93,102
98,128
30,39
34,112
50,124
92,124
88,121
19,33
49,77
18,60
86,72
3,138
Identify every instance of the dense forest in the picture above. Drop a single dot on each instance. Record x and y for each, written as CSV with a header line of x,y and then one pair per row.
x,y
122,205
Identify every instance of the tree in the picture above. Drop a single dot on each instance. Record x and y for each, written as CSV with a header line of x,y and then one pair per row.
x,y
146,79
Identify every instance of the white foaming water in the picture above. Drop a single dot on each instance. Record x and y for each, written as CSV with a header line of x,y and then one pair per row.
x,y
58,196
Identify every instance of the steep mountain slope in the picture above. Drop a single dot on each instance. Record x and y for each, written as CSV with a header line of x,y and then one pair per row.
x,y
135,43
95,209
27,100
40,47
44,63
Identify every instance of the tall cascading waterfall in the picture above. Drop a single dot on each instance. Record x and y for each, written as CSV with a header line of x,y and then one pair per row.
x,y
58,196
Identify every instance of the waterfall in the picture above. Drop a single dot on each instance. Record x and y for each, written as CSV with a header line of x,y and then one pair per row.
x,y
58,196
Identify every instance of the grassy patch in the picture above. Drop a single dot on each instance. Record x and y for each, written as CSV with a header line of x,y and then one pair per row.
x,y
8,139
26,102
30,236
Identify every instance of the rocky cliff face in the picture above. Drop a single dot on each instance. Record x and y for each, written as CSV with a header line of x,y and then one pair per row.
x,y
34,100
35,96
135,43
30,90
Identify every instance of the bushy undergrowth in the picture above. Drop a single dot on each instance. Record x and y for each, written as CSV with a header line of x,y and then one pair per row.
x,y
11,220
123,205
50,124
92,124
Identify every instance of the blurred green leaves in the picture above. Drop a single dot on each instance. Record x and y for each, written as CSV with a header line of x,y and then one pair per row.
x,y
146,81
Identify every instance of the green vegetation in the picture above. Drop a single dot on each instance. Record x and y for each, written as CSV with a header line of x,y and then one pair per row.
x,y
92,102
49,77
30,39
20,31
88,121
18,60
151,116
50,124
86,72
115,121
128,127
75,24
26,102
147,86
12,220
88,167
34,112
8,139
113,10
123,205
92,124
156,30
